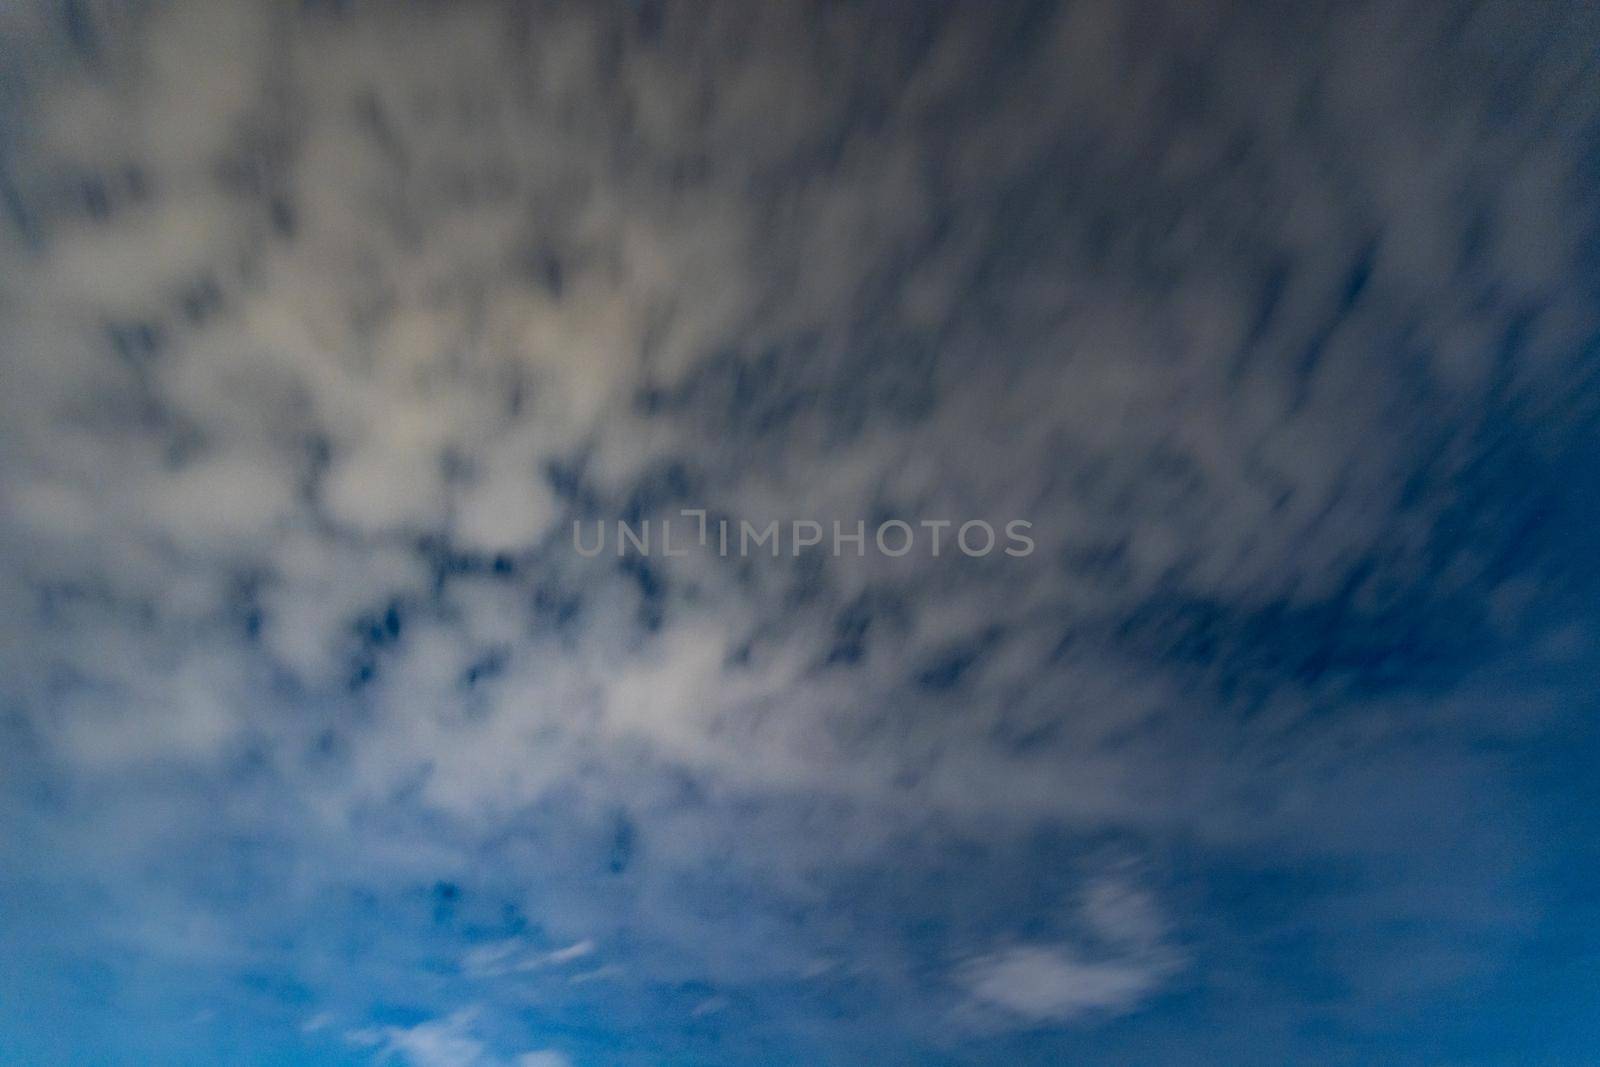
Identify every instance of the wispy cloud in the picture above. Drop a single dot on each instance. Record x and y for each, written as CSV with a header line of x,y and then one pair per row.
x,y
447,1042
322,323
510,956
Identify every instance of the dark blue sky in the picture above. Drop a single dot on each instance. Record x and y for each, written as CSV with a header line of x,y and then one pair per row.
x,y
323,325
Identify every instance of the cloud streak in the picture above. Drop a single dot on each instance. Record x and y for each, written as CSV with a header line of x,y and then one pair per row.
x,y
322,326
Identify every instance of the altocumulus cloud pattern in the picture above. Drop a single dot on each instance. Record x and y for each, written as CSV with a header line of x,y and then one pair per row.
x,y
322,324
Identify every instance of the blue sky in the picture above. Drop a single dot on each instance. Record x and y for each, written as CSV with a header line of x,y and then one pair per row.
x,y
322,325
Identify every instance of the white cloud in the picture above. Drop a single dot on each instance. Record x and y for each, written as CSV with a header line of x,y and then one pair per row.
x,y
447,1042
1121,959
543,1058
503,243
516,955
1050,983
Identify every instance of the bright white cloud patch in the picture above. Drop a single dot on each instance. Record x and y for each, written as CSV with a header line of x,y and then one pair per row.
x,y
447,1042
1121,959
1051,984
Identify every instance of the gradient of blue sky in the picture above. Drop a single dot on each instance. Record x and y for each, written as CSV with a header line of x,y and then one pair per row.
x,y
320,324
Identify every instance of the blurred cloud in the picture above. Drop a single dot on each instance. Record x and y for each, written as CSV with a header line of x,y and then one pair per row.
x,y
321,325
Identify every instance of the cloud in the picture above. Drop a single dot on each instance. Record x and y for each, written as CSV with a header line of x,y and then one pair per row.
x,y
321,327
438,1043
505,957
447,1042
1049,984
544,1058
1123,958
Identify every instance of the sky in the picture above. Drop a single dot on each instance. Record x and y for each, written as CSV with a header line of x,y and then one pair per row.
x,y
1268,737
